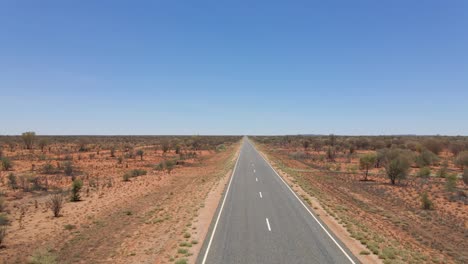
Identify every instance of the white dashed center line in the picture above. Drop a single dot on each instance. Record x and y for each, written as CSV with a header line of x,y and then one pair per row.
x,y
260,194
256,179
268,224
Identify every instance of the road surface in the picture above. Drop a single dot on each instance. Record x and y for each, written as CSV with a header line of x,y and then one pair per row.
x,y
261,220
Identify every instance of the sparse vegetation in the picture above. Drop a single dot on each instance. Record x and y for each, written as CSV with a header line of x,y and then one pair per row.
x,y
28,139
55,204
5,163
426,202
366,162
77,184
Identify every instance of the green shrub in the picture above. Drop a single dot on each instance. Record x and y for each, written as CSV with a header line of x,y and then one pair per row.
x,y
43,257
140,153
366,162
451,182
75,190
426,203
424,172
220,148
396,164
442,172
5,163
28,139
4,219
462,159
133,173
426,158
12,181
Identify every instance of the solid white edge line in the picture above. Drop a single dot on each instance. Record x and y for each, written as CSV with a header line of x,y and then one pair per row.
x,y
320,224
260,194
221,209
268,224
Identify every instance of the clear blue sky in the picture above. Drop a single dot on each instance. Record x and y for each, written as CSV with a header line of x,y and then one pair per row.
x,y
234,67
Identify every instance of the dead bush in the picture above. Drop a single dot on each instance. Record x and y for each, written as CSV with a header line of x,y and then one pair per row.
x,y
55,203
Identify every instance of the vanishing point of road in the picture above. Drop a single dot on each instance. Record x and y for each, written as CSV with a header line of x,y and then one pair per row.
x,y
261,220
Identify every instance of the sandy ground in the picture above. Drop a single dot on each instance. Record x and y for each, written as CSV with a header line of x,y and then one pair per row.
x,y
140,221
387,220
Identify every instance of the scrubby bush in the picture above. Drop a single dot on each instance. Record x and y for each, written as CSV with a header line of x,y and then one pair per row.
x,y
424,172
465,176
4,219
112,152
140,153
442,173
68,168
451,182
462,159
178,149
3,233
12,181
55,203
396,164
133,173
165,147
426,158
77,184
42,144
5,163
48,168
28,139
434,145
305,145
2,204
220,148
366,162
426,203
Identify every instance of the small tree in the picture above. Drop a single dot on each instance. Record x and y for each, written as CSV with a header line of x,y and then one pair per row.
x,y
76,189
177,149
28,139
140,153
42,144
5,163
366,162
396,164
112,152
55,203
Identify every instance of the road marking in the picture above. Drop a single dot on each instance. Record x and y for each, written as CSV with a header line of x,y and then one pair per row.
x,y
254,170
260,194
315,218
268,224
256,179
221,210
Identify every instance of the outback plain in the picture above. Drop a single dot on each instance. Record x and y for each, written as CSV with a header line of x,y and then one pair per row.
x,y
108,199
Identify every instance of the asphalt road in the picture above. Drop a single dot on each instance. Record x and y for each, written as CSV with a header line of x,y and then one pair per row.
x,y
260,220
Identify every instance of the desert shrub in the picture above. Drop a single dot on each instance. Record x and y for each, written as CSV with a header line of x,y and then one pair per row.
x,y
28,139
305,145
68,168
396,164
442,172
12,181
462,159
456,148
366,162
426,203
83,144
48,168
424,172
133,173
3,233
426,158
77,184
2,204
165,147
140,153
129,155
465,176
4,219
119,160
299,155
42,144
434,145
43,257
331,153
5,163
112,152
220,148
451,182
177,149
55,203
